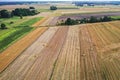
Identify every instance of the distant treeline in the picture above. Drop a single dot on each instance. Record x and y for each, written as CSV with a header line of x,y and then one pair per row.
x,y
30,2
80,3
18,12
92,19
20,3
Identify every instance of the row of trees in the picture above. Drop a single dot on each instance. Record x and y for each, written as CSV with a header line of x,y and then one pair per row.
x,y
5,14
92,19
18,12
24,12
21,12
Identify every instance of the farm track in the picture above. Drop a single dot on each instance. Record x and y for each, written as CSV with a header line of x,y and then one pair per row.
x,y
80,52
12,52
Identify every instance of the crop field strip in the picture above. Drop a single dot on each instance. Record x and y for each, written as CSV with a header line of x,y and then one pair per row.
x,y
15,31
48,57
7,56
28,59
40,22
47,22
109,57
80,52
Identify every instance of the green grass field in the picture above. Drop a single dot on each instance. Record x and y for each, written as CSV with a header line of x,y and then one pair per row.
x,y
15,31
30,22
16,21
115,17
68,8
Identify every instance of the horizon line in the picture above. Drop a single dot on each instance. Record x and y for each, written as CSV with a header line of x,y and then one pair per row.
x,y
63,1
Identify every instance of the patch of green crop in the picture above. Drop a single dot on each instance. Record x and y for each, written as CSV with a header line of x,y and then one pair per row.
x,y
9,39
10,35
30,22
115,17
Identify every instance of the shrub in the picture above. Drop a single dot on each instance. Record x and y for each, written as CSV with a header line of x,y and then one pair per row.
x,y
31,7
21,17
93,19
11,22
53,8
3,26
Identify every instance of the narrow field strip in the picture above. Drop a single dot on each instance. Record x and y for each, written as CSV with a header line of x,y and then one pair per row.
x,y
47,22
43,66
40,22
68,66
11,53
28,57
89,59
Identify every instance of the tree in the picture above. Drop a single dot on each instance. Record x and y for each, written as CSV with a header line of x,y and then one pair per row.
x,y
68,21
24,12
21,17
31,7
84,20
3,26
106,18
5,14
53,8
93,19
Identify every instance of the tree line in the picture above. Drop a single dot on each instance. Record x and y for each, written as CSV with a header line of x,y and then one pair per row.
x,y
92,19
18,12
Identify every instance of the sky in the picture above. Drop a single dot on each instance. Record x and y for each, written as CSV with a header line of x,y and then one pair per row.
x,y
58,0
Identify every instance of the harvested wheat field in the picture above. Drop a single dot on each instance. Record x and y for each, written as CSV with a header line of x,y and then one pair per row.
x,y
80,52
12,52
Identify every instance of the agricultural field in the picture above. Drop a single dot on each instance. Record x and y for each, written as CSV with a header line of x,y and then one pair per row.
x,y
79,52
88,9
116,17
37,48
41,7
88,15
56,17
17,29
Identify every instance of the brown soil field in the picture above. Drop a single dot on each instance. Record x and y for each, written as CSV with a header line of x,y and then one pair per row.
x,y
79,52
53,20
12,52
88,15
